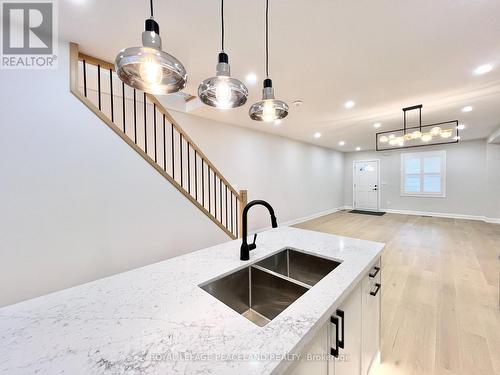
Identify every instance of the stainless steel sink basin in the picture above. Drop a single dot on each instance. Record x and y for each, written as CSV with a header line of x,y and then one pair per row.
x,y
300,266
255,293
261,291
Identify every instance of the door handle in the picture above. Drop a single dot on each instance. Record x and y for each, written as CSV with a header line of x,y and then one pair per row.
x,y
335,351
374,273
341,314
377,288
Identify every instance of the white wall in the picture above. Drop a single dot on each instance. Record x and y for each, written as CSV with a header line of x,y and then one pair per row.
x,y
77,203
493,180
296,178
469,178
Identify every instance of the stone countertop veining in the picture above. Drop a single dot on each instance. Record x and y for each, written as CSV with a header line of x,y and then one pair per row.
x,y
157,320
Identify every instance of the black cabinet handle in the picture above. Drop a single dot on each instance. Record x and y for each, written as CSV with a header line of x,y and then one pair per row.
x,y
335,351
374,273
377,288
341,314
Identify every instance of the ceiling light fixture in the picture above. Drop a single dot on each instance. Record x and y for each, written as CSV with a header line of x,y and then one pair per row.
x,y
421,135
349,104
467,108
483,69
269,108
461,127
358,148
341,143
148,68
317,135
222,91
377,125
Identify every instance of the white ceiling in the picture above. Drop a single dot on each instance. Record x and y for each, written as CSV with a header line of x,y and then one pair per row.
x,y
382,54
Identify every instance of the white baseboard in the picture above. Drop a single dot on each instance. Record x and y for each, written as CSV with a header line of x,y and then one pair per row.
x,y
300,220
438,214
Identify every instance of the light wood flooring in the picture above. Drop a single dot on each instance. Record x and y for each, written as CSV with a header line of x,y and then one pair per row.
x,y
440,291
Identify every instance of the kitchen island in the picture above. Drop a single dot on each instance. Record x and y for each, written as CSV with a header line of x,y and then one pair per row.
x,y
160,319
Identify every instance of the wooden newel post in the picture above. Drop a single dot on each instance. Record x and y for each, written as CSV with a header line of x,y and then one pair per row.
x,y
243,203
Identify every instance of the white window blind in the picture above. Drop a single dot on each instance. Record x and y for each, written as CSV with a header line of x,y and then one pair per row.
x,y
423,174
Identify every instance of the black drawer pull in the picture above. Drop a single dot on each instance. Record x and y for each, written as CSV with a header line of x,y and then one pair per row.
x,y
340,314
374,273
377,288
335,351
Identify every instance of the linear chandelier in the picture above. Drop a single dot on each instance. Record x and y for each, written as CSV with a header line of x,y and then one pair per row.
x,y
417,136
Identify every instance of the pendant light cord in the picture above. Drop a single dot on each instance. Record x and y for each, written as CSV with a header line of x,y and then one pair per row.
x,y
222,22
151,6
267,38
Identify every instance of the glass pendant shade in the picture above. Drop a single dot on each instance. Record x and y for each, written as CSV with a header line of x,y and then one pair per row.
x,y
268,109
222,91
148,68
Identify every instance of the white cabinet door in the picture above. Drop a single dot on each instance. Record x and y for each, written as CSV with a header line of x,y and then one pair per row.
x,y
349,359
370,318
314,357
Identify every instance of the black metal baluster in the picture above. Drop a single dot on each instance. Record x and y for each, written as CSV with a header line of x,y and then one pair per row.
x,y
189,170
135,117
180,148
154,125
215,195
111,90
237,214
195,177
208,183
173,160
84,78
123,104
145,131
99,85
164,146
202,182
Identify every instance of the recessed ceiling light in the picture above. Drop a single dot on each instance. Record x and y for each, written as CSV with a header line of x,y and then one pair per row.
x,y
377,125
486,68
341,143
297,103
251,78
461,127
277,122
317,135
358,148
467,108
349,104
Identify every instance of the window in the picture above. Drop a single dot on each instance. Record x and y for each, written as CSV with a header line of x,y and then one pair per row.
x,y
423,174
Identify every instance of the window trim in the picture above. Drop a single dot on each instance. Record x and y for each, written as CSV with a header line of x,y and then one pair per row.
x,y
421,156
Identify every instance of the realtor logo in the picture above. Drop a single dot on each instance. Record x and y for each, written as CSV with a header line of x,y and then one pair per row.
x,y
29,35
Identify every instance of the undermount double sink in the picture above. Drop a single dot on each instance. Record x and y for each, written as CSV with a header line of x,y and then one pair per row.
x,y
261,291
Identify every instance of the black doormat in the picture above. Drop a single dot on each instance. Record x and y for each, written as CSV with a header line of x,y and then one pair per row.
x,y
373,213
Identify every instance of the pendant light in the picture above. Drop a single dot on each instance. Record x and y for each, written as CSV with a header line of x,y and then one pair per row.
x,y
148,68
268,109
222,91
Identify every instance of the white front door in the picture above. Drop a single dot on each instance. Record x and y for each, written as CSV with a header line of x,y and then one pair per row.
x,y
365,186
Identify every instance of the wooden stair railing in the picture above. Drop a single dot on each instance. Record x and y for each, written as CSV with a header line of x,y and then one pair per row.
x,y
146,126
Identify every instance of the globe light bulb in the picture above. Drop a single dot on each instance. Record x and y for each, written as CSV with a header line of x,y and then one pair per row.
x,y
393,142
268,113
416,134
408,137
446,133
392,136
151,72
223,94
384,139
426,137
436,130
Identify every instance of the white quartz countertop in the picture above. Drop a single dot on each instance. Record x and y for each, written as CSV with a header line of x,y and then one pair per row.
x,y
157,320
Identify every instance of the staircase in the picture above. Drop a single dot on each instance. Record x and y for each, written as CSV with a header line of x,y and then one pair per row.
x,y
147,127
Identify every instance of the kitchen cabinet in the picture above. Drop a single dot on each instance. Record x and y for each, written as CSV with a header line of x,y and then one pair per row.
x,y
349,341
370,303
